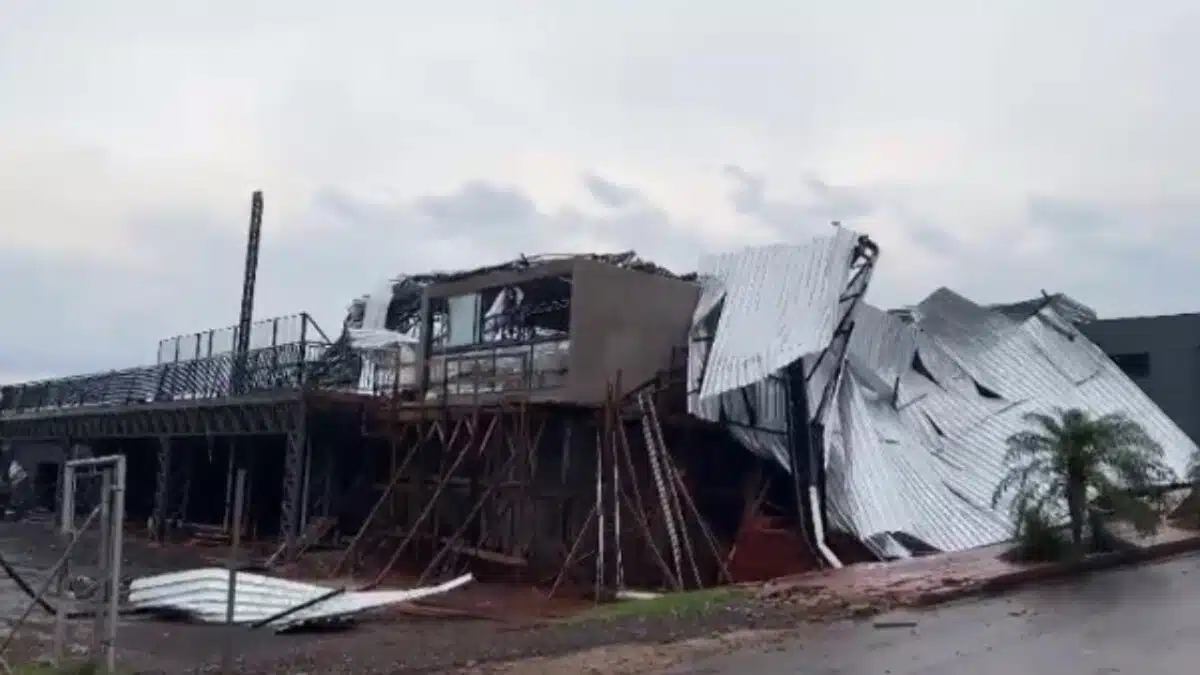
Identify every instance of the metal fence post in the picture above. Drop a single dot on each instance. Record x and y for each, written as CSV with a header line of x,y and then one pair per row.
x,y
105,561
67,529
115,550
234,553
303,346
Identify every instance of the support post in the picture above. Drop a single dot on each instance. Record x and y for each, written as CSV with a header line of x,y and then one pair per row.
x,y
424,347
293,470
67,530
104,560
162,489
327,506
57,500
226,522
799,459
116,551
239,491
306,479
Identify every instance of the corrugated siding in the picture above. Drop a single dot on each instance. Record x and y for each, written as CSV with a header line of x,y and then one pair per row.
x,y
913,451
881,345
781,304
926,462
884,479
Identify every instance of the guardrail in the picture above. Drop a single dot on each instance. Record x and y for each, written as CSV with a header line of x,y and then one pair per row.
x,y
271,368
275,332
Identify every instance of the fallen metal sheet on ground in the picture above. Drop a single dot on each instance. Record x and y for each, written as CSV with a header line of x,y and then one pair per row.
x,y
202,595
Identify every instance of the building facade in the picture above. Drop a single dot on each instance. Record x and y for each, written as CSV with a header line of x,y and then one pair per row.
x,y
1162,355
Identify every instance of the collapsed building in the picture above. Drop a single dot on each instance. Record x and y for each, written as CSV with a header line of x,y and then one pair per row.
x,y
597,420
908,440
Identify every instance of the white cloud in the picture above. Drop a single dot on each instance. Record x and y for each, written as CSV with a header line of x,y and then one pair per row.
x,y
997,150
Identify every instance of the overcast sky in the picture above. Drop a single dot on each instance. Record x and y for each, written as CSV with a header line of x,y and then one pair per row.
x,y
997,148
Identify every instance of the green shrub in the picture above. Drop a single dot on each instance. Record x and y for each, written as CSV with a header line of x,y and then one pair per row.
x,y
1038,540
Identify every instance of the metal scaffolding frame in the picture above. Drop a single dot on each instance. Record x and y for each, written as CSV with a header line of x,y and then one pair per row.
x,y
540,492
288,420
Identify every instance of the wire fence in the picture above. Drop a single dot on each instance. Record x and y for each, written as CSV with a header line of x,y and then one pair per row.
x,y
93,488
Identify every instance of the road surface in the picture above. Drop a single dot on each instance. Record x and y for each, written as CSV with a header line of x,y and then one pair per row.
x,y
1138,620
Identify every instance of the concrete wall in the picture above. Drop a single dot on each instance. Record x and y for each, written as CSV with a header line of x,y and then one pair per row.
x,y
1171,349
624,321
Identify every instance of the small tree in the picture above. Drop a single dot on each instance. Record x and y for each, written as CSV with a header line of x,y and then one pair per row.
x,y
1075,460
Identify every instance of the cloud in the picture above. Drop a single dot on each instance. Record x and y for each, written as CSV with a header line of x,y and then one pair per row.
x,y
822,203
78,313
397,136
609,193
81,313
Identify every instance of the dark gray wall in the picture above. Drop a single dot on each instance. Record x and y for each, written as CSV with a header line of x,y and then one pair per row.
x,y
625,323
1172,345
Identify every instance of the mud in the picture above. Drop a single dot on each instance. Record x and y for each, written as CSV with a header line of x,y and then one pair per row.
x,y
502,624
507,630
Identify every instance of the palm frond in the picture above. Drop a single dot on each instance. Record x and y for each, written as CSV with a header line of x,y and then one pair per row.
x,y
1110,457
1117,430
1134,469
1019,478
1026,445
1049,425
1143,511
1042,499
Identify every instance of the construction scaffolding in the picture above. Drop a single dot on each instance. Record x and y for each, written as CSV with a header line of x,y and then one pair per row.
x,y
478,421
589,497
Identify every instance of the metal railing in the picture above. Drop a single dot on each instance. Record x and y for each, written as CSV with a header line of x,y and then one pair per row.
x,y
281,330
490,368
276,367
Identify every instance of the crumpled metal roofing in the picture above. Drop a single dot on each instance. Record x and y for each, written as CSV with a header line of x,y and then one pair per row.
x,y
915,440
780,303
760,310
202,594
921,453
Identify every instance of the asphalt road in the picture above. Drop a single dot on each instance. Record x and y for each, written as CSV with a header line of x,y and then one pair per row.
x,y
1140,621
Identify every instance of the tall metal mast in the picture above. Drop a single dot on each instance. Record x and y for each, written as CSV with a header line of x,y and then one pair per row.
x,y
242,347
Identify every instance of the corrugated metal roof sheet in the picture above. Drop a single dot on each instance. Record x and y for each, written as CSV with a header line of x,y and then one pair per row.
x,y
202,595
917,433
781,303
773,305
928,465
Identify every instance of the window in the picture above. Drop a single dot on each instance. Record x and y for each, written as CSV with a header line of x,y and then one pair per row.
x,y
1134,365
464,315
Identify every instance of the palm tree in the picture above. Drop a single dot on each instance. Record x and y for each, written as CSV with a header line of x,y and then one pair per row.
x,y
1068,457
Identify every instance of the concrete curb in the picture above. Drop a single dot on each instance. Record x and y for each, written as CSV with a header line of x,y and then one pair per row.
x,y
1054,571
